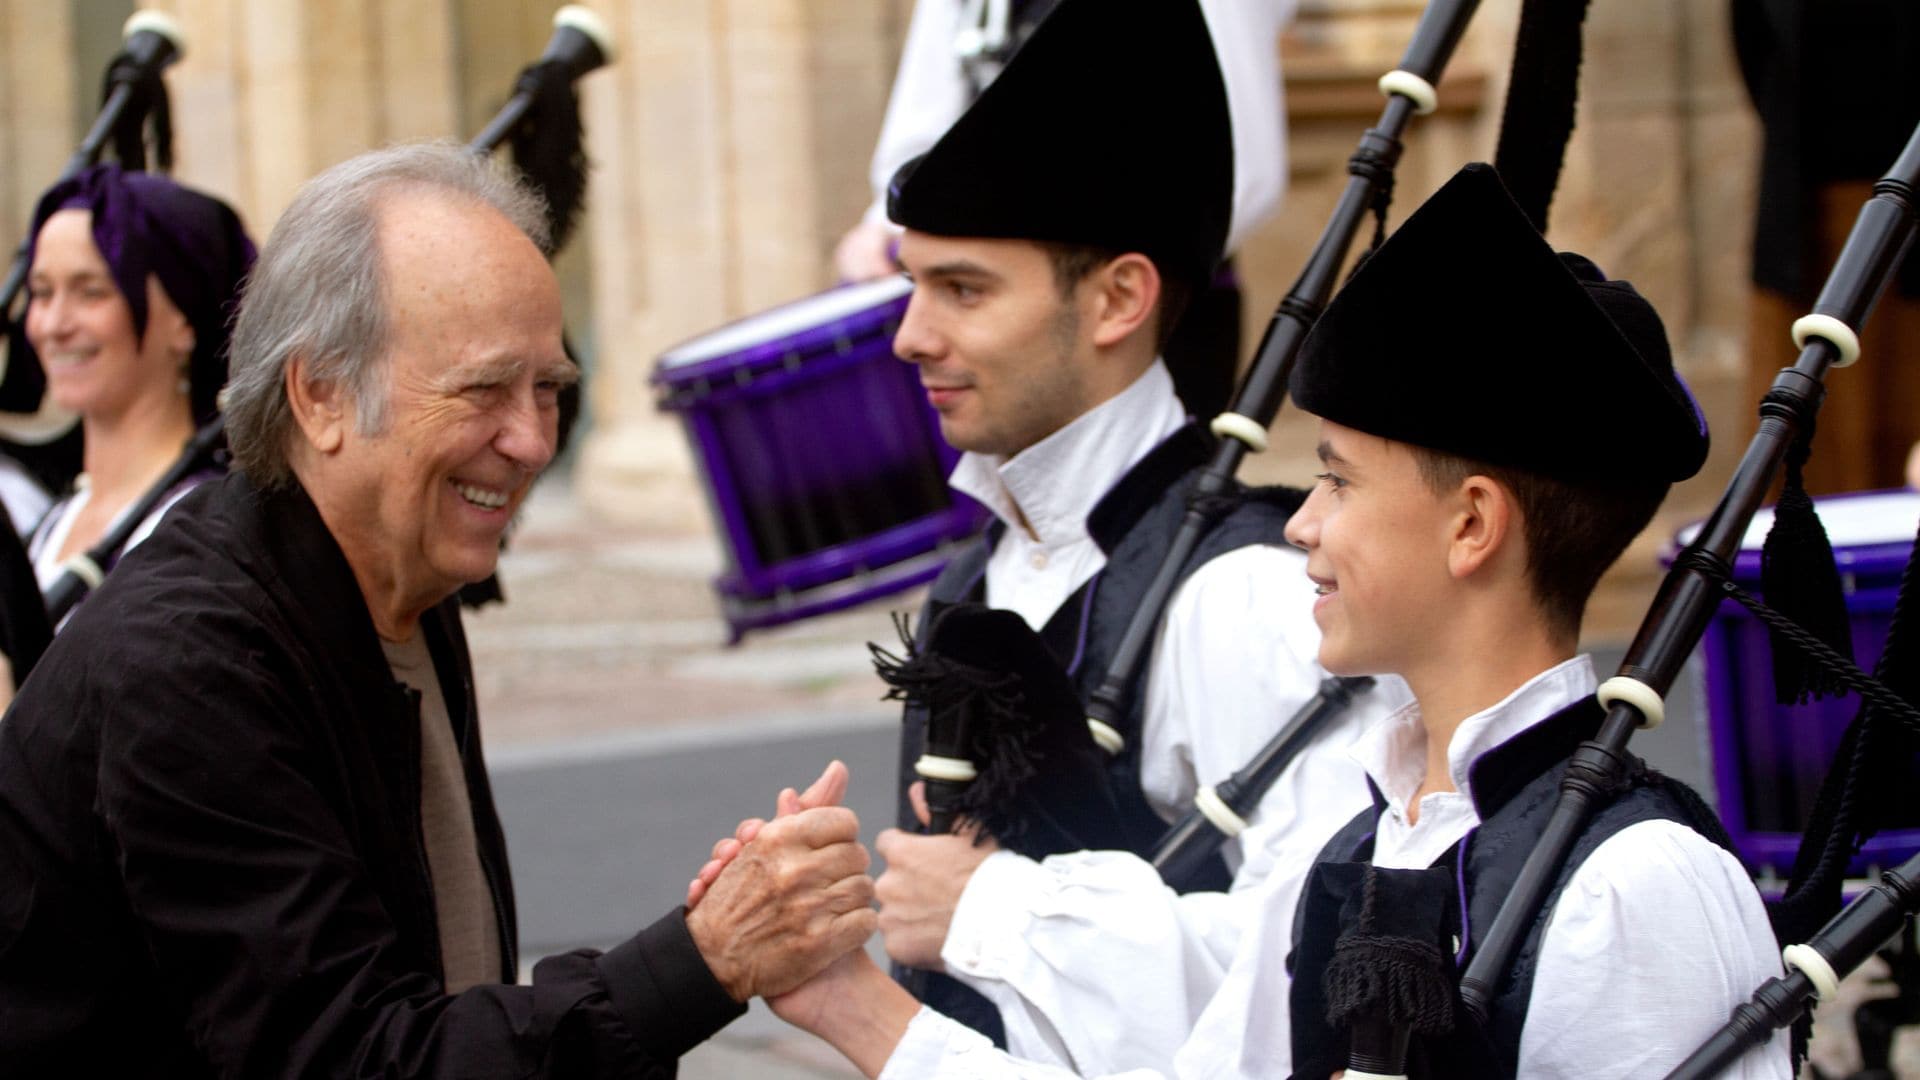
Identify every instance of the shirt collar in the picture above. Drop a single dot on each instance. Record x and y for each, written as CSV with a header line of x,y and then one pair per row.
x,y
1393,751
1056,482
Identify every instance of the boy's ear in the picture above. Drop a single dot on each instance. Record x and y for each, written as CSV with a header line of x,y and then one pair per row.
x,y
1484,526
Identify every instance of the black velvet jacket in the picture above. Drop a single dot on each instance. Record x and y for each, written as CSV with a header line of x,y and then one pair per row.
x,y
211,859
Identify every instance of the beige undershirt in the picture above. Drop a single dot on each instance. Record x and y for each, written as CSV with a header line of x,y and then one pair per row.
x,y
469,933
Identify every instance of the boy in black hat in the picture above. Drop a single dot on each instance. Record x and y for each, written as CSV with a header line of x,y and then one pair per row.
x,y
1053,235
1470,384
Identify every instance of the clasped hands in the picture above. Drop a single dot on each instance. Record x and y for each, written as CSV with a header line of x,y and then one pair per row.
x,y
918,893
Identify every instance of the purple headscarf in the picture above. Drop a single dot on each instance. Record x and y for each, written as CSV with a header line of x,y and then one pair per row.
x,y
193,244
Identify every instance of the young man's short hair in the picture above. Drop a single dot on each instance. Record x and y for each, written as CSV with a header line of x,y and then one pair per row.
x,y
1573,531
1073,262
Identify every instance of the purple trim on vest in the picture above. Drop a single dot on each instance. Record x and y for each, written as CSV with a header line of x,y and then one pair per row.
x,y
1460,878
1086,619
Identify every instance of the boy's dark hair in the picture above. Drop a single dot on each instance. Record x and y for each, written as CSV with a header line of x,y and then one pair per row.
x,y
1574,530
1073,262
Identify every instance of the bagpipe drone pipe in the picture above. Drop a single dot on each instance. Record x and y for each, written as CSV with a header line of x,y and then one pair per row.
x,y
1871,765
135,123
541,119
1808,625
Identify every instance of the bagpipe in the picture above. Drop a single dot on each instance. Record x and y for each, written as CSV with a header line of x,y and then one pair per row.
x,y
541,119
1828,338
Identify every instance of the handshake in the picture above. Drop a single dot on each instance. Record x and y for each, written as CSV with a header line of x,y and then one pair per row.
x,y
782,909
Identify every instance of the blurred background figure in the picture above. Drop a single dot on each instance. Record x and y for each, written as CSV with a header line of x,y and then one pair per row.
x,y
1837,87
133,280
954,48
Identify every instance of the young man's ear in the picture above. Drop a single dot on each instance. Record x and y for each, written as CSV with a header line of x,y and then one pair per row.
x,y
1126,291
1483,529
320,408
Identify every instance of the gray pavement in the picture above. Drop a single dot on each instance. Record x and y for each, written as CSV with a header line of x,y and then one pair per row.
x,y
624,737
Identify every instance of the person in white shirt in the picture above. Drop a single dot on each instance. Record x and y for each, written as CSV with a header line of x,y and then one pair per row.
x,y
955,48
1453,539
1040,293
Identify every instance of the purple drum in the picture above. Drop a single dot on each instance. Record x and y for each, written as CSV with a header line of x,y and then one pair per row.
x,y
822,460
1768,758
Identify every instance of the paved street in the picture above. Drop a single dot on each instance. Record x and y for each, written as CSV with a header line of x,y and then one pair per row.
x,y
624,737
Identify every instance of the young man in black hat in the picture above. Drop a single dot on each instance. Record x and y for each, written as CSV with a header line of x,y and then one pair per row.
x,y
1462,521
1052,236
954,49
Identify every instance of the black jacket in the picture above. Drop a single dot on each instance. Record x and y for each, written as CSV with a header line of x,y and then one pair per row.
x,y
211,861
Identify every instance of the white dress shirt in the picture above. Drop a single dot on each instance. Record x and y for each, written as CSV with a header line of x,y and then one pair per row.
x,y
43,546
1658,934
1092,961
930,93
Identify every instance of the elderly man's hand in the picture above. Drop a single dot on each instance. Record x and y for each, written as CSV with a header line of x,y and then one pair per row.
x,y
922,886
829,790
791,901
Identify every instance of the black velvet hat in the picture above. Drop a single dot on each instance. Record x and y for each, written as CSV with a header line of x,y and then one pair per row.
x,y
1465,333
1108,128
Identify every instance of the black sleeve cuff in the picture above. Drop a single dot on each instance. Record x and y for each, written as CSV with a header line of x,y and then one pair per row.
x,y
658,981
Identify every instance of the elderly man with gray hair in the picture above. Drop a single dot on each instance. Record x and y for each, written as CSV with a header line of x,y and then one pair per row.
x,y
245,827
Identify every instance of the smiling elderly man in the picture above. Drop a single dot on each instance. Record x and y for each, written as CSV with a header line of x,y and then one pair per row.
x,y
245,827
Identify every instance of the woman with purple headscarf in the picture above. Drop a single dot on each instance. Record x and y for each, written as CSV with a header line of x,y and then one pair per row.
x,y
132,283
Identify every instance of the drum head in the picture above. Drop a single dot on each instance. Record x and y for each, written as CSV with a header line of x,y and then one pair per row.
x,y
799,328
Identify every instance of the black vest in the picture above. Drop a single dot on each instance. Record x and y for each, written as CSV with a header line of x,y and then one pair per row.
x,y
1134,525
1514,788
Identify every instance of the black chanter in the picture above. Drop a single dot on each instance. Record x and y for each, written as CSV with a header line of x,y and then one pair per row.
x,y
151,41
1814,971
1691,591
1409,90
1219,812
84,571
580,44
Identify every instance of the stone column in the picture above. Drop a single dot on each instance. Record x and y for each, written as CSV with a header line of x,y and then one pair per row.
x,y
37,107
730,145
273,91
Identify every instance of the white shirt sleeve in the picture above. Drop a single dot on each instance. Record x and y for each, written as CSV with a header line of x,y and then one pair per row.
x,y
1094,962
938,1048
929,94
1246,37
1657,936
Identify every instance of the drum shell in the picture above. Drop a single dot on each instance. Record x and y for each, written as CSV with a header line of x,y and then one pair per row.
x,y
1768,758
823,465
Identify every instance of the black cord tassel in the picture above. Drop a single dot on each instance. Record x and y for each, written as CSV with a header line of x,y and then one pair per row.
x,y
549,147
147,119
1799,580
974,711
1387,966
1541,94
